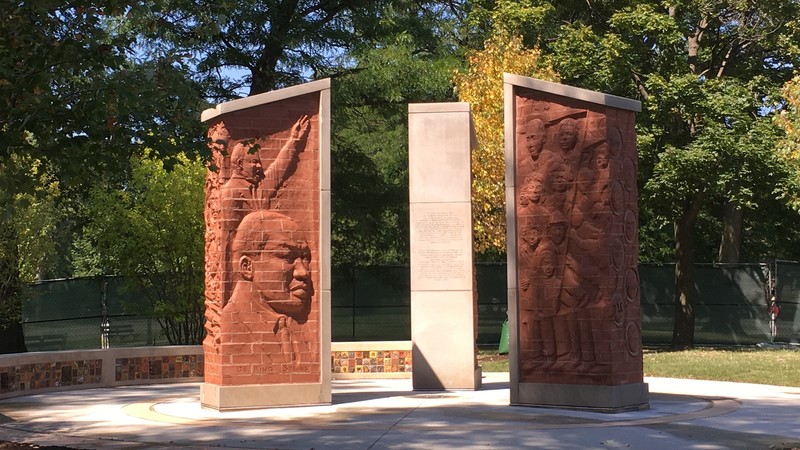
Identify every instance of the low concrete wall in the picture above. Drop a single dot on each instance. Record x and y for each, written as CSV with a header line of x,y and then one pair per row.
x,y
39,372
36,372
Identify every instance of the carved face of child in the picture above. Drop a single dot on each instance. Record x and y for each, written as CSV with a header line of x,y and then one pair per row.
x,y
532,192
548,263
560,180
602,158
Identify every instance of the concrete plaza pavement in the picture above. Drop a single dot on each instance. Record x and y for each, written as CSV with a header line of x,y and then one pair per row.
x,y
389,414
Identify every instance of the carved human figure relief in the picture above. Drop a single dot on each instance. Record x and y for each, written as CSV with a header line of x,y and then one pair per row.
x,y
251,187
272,284
576,182
219,138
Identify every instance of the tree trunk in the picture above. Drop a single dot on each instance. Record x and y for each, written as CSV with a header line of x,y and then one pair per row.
x,y
683,325
12,339
731,243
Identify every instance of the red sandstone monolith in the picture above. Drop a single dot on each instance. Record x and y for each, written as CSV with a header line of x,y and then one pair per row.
x,y
267,262
573,247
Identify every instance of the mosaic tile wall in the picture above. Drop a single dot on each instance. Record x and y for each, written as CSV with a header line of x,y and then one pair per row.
x,y
48,375
158,367
27,377
385,361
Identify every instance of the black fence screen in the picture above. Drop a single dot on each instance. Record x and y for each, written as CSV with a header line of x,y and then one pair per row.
x,y
68,314
731,303
787,287
373,303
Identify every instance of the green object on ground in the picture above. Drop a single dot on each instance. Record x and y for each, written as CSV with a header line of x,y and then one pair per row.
x,y
503,347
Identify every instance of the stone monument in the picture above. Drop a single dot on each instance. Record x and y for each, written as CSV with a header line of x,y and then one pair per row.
x,y
267,261
575,320
443,295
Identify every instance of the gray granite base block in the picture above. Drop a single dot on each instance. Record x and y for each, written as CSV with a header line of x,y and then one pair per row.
x,y
232,398
611,399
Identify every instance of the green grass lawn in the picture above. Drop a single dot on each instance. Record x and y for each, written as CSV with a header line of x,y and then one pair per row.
x,y
744,365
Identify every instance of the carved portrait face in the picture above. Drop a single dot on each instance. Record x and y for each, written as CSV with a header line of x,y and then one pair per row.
x,y
531,236
568,134
548,263
559,180
273,254
531,192
535,138
557,231
247,165
602,157
282,276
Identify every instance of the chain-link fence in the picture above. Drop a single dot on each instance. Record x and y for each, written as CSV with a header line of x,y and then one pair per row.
x,y
787,289
370,303
373,303
730,303
69,314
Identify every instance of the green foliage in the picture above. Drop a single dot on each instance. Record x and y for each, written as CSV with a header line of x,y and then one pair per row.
x,y
11,338
275,43
10,285
45,223
151,229
75,106
72,98
370,147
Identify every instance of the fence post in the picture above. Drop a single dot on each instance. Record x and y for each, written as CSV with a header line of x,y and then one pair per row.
x,y
104,323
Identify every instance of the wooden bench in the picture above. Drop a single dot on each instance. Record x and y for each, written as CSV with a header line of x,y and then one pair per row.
x,y
121,333
46,342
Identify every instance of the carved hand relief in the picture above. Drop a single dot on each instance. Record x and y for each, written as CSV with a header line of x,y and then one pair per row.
x,y
576,229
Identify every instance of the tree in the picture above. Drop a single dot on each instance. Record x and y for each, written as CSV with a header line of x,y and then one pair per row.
x,y
151,230
789,148
271,44
481,84
11,337
382,55
707,73
75,98
45,222
75,104
708,78
370,147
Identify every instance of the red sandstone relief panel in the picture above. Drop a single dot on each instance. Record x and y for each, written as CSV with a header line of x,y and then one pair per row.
x,y
576,223
262,240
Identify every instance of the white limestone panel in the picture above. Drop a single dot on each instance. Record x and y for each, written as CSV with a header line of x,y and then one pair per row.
x,y
439,142
443,340
441,246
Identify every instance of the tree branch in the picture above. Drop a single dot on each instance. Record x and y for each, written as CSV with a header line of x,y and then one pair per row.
x,y
637,78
